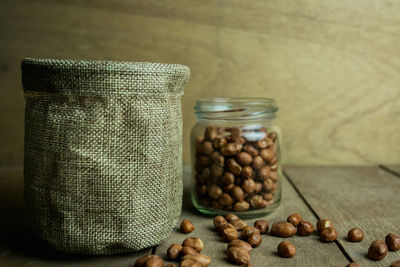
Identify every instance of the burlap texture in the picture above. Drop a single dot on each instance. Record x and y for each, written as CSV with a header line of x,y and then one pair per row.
x,y
103,153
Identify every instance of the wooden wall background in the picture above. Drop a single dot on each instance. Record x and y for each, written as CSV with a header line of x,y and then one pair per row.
x,y
333,66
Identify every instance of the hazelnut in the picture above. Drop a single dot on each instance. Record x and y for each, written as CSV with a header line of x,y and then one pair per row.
x,y
225,199
259,187
228,188
190,263
207,148
262,143
216,171
268,196
262,226
141,261
250,150
258,202
244,159
241,206
210,133
283,229
173,251
237,193
254,239
202,190
329,234
274,176
264,173
286,249
267,154
219,222
214,191
273,136
203,161
238,255
204,260
218,159
247,231
228,178
194,242
258,162
322,224
393,242
355,235
247,172
154,261
230,234
231,149
230,217
239,224
377,250
241,244
395,264
295,219
215,205
268,185
186,227
233,166
187,251
249,186
219,142
305,228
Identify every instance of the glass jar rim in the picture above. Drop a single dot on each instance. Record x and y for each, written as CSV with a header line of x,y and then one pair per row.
x,y
236,108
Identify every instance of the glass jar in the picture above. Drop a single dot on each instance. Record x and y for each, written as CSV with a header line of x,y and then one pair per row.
x,y
236,157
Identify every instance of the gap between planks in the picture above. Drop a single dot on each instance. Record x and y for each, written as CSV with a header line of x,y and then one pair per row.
x,y
390,170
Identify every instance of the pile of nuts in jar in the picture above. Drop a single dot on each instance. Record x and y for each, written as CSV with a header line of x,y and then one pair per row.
x,y
236,169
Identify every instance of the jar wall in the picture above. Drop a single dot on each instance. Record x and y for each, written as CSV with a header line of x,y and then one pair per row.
x,y
236,167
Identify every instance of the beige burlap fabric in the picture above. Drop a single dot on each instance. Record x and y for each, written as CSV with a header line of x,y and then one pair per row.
x,y
103,153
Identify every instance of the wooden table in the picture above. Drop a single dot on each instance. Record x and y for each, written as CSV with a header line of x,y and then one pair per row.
x,y
366,197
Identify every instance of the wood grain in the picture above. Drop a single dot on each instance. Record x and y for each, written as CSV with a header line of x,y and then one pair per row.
x,y
18,247
366,197
310,251
332,65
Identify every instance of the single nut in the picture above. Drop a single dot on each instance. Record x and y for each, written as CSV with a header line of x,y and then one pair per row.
x,y
262,143
395,264
233,166
219,222
216,171
353,264
247,172
187,251
215,205
237,193
230,234
286,249
322,224
393,242
267,196
174,251
204,260
241,244
241,206
249,186
355,235
207,148
251,150
238,255
273,136
190,263
283,229
141,261
274,176
264,173
214,191
225,199
247,231
201,190
231,149
218,159
228,188
154,261
267,154
377,250
228,178
210,133
305,228
268,185
258,162
254,239
194,242
186,227
259,187
258,202
239,224
262,226
203,161
295,219
230,216
329,234
244,158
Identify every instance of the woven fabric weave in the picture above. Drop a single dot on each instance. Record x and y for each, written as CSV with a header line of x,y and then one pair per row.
x,y
103,153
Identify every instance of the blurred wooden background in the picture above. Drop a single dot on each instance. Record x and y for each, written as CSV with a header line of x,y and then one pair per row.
x,y
333,66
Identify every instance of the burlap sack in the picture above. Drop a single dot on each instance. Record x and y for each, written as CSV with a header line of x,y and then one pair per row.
x,y
103,153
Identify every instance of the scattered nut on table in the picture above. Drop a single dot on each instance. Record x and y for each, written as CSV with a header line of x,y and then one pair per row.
x,y
355,235
283,229
329,235
295,219
305,228
286,249
186,227
322,224
262,226
377,250
393,242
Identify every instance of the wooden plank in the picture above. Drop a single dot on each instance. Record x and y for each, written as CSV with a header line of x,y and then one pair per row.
x,y
310,252
364,197
18,247
322,61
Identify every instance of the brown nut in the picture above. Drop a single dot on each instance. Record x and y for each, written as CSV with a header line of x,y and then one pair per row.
x,y
393,242
149,261
353,264
186,227
329,234
258,202
211,133
174,251
239,224
305,228
225,199
237,193
171,265
241,244
395,264
231,149
262,143
295,219
274,176
268,185
377,250
259,187
233,166
204,260
283,229
201,190
262,226
228,178
207,148
251,150
244,159
216,171
247,265
141,261
258,162
241,206
194,242
218,159
247,231
230,234
322,224
230,216
190,263
286,249
203,161
249,186
247,172
219,222
273,136
264,173
355,235
219,142
187,251
214,191
267,154
215,205
254,239
238,255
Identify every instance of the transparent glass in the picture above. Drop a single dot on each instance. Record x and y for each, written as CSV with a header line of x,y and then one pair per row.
x,y
236,160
